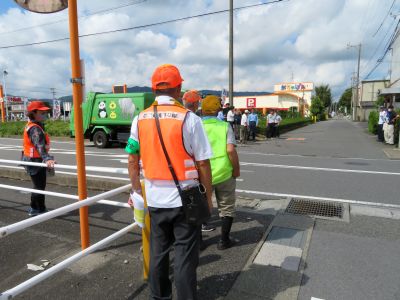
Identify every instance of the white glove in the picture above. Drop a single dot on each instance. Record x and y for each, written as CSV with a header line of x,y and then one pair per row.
x,y
136,202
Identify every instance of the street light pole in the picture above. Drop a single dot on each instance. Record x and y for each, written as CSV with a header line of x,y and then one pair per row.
x,y
77,82
231,52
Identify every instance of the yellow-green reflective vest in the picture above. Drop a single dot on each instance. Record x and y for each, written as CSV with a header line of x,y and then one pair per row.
x,y
221,166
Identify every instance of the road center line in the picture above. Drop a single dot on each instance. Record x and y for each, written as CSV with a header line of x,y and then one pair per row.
x,y
317,169
316,156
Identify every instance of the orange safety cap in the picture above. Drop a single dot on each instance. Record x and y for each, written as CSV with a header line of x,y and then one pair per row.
x,y
166,77
37,105
191,96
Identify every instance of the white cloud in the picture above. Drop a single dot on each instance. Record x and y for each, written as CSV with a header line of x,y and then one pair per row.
x,y
305,38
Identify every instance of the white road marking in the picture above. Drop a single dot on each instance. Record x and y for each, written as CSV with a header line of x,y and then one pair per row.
x,y
313,298
317,169
319,198
316,156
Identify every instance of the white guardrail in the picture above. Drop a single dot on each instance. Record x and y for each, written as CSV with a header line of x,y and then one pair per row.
x,y
12,228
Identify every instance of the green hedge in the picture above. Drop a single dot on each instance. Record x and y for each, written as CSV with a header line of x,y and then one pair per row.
x,y
16,128
373,119
286,124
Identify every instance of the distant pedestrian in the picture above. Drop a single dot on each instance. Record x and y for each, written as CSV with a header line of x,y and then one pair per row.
x,y
221,115
381,121
244,127
278,120
36,149
253,123
230,116
224,167
270,124
237,120
391,118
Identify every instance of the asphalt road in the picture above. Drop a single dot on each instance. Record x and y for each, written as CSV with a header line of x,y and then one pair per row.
x,y
334,159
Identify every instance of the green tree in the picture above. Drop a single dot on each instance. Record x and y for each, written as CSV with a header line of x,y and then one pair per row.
x,y
380,101
317,108
323,92
345,99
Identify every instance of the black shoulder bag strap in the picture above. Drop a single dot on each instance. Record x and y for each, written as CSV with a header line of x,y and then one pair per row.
x,y
170,167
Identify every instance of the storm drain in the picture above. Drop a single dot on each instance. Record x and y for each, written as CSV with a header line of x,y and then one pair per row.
x,y
315,208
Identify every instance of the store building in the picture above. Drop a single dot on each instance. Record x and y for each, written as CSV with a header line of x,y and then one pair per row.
x,y
286,96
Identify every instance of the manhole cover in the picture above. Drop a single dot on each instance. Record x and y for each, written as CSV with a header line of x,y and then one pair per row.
x,y
315,208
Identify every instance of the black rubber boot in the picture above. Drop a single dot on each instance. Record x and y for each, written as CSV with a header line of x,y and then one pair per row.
x,y
225,241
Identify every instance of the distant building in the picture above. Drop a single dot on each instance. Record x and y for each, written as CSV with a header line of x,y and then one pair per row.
x,y
392,91
369,93
286,96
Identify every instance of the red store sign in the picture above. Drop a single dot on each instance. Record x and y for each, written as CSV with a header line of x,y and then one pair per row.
x,y
251,102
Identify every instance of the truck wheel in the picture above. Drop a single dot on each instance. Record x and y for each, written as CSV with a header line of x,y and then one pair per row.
x,y
100,139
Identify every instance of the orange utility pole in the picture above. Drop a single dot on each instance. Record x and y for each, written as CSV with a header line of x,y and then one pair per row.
x,y
2,104
77,82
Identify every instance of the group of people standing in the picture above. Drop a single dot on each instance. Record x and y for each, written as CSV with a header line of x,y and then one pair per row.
x,y
245,125
386,122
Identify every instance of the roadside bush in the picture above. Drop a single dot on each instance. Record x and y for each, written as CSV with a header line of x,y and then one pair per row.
x,y
286,124
16,128
373,119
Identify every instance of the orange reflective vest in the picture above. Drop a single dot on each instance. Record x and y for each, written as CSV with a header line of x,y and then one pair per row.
x,y
30,149
154,163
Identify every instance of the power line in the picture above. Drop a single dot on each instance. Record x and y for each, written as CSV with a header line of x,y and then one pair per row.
x,y
384,19
142,26
379,45
82,17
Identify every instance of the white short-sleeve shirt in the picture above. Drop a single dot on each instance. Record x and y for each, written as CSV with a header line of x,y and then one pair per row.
x,y
163,193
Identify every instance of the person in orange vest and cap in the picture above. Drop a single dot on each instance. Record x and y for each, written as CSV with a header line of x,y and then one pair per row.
x,y
36,149
187,146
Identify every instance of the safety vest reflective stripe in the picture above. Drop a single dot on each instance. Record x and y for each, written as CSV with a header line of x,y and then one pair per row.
x,y
30,149
154,163
221,166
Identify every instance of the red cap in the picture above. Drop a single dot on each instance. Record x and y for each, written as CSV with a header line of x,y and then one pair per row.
x,y
166,77
37,105
191,96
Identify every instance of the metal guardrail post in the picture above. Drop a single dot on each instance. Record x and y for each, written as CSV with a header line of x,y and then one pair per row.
x,y
146,239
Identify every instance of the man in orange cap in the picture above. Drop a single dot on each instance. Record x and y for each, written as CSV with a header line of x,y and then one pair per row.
x,y
36,147
187,146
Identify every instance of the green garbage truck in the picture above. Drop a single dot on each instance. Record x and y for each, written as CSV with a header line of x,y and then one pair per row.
x,y
108,117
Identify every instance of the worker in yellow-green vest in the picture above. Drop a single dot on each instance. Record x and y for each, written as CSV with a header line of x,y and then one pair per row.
x,y
224,165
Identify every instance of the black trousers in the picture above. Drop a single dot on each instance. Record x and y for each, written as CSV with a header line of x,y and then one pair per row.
x,y
381,138
168,228
39,183
271,130
253,128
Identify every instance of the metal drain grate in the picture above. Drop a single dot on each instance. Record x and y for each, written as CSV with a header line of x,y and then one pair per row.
x,y
315,208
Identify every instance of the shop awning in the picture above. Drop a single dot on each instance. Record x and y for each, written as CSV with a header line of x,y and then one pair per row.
x,y
390,91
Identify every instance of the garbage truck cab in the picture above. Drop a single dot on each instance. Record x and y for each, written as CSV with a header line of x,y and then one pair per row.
x,y
108,117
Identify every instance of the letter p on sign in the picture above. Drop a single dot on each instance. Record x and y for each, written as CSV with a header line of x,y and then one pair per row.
x,y
251,102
